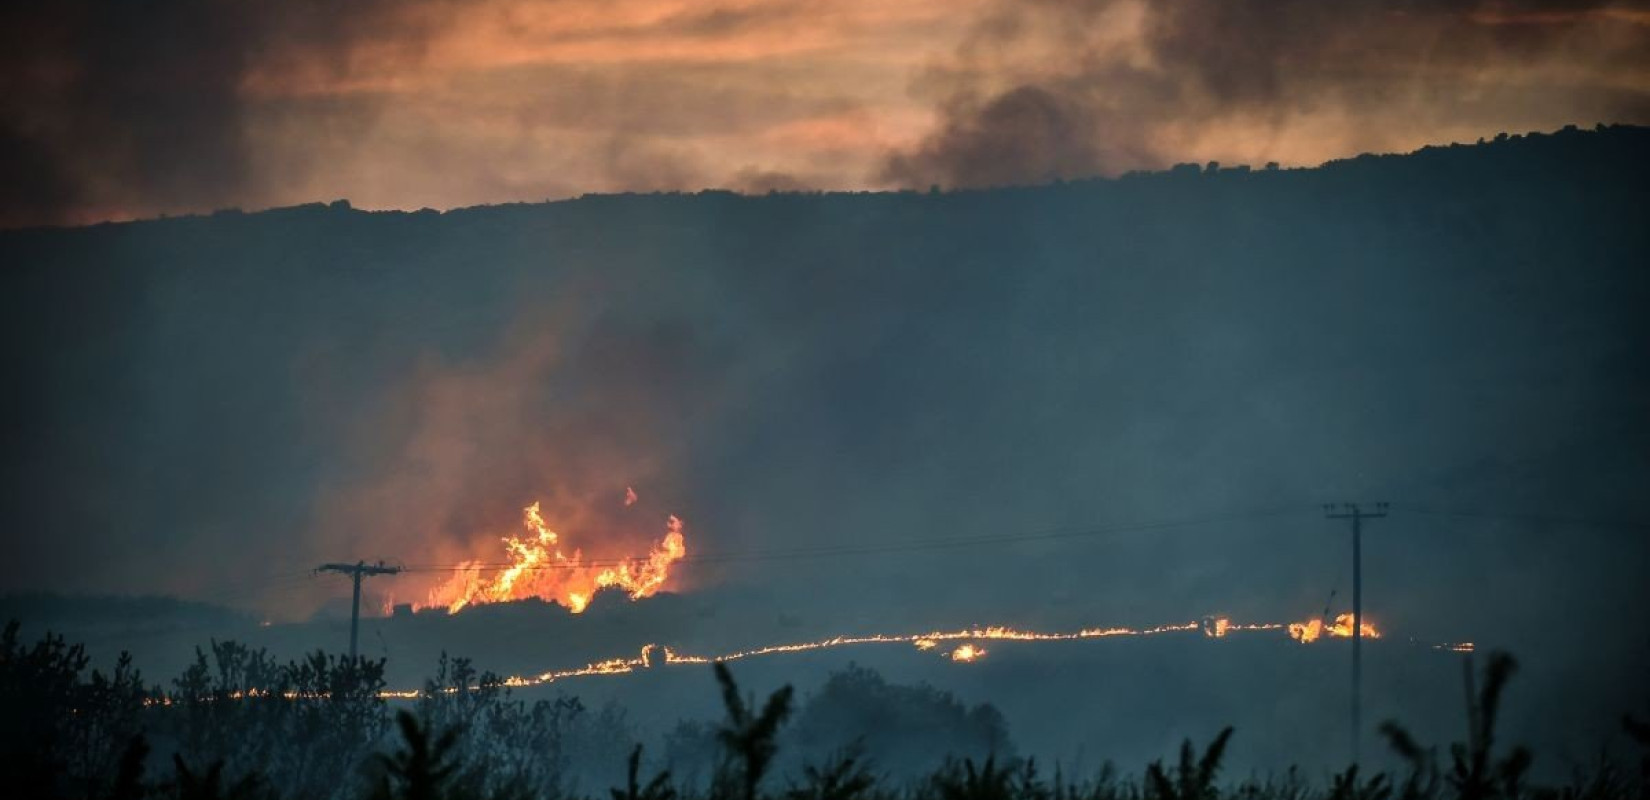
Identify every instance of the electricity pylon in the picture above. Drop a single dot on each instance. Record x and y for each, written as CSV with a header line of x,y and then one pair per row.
x,y
358,570
1353,512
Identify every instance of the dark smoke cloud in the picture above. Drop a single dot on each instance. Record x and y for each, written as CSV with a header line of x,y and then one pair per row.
x,y
1046,90
1028,133
110,108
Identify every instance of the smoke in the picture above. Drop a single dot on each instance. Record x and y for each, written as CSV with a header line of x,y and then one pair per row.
x,y
1029,134
570,408
110,109
1046,90
113,110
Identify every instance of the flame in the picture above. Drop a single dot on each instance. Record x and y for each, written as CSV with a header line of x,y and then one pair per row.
x,y
539,568
1311,630
967,651
629,496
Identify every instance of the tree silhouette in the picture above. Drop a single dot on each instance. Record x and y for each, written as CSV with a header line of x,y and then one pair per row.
x,y
423,768
750,739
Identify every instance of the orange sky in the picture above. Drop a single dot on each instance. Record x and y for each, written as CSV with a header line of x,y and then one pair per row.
x,y
447,103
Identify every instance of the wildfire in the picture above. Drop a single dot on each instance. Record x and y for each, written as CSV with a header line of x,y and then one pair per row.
x,y
1311,630
968,649
654,655
539,568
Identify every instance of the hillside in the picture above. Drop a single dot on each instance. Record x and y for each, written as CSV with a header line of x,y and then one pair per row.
x,y
211,406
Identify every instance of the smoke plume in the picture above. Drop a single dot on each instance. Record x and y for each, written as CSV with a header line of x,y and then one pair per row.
x,y
1046,90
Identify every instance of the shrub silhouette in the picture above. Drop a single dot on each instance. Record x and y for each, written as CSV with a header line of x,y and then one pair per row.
x,y
965,781
912,729
302,724
62,734
209,785
749,739
1476,773
1422,782
512,747
1639,732
843,776
1345,786
657,789
1194,778
128,780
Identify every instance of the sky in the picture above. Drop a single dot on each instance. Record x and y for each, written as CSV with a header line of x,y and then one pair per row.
x,y
116,110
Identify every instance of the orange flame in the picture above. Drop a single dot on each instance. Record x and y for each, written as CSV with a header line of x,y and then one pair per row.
x,y
538,568
968,651
1311,630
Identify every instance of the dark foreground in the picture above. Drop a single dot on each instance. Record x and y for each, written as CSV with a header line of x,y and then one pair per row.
x,y
236,724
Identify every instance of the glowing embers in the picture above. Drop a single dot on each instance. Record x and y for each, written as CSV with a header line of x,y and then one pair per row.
x,y
967,647
539,568
966,650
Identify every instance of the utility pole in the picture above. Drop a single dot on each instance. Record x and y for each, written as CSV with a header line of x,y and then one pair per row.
x,y
358,570
1357,514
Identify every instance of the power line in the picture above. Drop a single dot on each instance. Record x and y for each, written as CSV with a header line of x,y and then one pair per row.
x,y
289,581
1537,519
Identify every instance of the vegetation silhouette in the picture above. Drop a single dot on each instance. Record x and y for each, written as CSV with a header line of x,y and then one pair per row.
x,y
210,783
658,788
750,738
237,725
424,767
1476,773
916,727
1194,776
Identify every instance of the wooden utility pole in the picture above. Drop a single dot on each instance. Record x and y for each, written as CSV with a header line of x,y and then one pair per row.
x,y
358,570
1357,514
